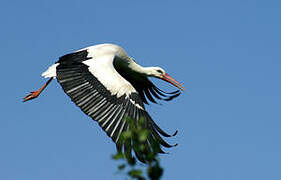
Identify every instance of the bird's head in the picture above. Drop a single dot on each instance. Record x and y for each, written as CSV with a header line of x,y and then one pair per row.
x,y
160,73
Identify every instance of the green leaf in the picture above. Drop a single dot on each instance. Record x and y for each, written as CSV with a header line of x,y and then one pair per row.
x,y
126,135
118,156
135,138
135,173
141,121
155,172
121,167
143,135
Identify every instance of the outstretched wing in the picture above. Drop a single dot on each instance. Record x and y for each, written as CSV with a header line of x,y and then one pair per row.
x,y
102,93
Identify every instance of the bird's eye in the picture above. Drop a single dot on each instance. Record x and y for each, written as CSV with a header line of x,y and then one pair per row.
x,y
160,71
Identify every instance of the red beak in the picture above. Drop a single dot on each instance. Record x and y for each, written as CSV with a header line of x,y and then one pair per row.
x,y
168,78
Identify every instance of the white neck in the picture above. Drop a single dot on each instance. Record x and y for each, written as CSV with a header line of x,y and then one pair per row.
x,y
147,71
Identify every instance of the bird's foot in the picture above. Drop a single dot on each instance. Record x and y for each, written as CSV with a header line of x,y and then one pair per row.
x,y
32,95
35,94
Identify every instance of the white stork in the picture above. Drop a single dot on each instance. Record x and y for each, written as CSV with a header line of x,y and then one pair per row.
x,y
108,85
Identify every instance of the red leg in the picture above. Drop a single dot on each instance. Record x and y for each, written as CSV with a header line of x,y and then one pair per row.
x,y
35,94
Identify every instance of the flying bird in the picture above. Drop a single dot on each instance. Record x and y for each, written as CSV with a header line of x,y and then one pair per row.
x,y
108,85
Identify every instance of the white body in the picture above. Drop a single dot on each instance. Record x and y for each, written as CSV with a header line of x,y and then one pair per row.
x,y
101,66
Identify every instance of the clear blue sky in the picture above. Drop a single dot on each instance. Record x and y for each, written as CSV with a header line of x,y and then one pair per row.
x,y
227,53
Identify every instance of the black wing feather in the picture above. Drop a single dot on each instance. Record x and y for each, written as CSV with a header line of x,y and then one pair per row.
x,y
144,86
108,110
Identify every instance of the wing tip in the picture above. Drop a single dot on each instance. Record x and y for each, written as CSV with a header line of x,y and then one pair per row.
x,y
175,133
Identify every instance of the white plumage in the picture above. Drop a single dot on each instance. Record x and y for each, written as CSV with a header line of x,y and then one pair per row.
x,y
109,86
51,71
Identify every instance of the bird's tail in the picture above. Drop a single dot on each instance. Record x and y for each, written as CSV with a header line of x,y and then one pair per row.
x,y
51,71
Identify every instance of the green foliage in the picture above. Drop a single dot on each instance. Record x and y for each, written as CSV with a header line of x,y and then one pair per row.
x,y
118,156
138,136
